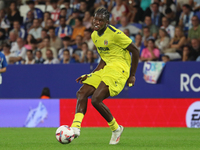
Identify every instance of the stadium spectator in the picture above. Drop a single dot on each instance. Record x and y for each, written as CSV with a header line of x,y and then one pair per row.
x,y
87,38
38,58
127,32
136,14
63,12
138,43
163,41
34,47
50,23
153,28
66,42
45,93
90,57
30,59
16,27
175,44
171,16
195,46
169,28
47,15
126,25
67,58
180,3
50,59
117,12
75,4
6,52
168,4
100,3
153,12
46,43
83,8
18,53
55,41
63,30
4,22
55,13
44,34
28,41
194,32
78,42
2,38
82,53
36,30
187,54
71,20
150,53
69,9
165,58
38,14
146,36
14,14
178,41
29,21
186,17
78,28
87,21
12,39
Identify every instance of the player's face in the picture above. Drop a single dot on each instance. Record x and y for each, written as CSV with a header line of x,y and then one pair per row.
x,y
99,22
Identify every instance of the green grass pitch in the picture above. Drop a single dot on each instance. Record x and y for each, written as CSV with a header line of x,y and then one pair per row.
x,y
98,139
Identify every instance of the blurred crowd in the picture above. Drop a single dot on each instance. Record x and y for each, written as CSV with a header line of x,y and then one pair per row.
x,y
59,31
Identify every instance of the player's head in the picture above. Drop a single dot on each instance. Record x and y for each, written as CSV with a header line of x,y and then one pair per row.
x,y
101,18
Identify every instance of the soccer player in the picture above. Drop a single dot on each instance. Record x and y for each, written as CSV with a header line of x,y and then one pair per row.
x,y
3,65
111,74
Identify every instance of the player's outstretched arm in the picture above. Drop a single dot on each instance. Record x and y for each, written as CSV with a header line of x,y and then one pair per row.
x,y
135,58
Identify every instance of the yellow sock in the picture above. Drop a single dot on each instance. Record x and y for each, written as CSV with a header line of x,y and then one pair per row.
x,y
113,125
77,120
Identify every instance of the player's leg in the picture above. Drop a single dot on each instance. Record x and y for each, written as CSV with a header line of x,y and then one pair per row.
x,y
101,93
81,107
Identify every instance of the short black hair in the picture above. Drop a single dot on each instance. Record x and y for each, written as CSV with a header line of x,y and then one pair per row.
x,y
33,41
66,50
30,2
187,6
7,45
52,28
168,10
66,38
103,11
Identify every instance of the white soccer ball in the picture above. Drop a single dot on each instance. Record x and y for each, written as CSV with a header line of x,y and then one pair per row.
x,y
65,134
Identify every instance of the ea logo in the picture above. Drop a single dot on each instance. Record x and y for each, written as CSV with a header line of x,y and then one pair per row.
x,y
193,115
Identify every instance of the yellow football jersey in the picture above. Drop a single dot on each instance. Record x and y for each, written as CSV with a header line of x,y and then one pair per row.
x,y
111,46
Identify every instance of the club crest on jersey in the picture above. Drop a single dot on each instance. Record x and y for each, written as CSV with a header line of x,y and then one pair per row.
x,y
105,42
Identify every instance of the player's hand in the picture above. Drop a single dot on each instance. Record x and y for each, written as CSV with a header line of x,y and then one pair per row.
x,y
131,81
81,79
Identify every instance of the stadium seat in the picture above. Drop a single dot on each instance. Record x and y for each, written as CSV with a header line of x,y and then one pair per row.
x,y
41,7
49,8
23,10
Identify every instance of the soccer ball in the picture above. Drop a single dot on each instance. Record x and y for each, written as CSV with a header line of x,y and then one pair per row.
x,y
65,134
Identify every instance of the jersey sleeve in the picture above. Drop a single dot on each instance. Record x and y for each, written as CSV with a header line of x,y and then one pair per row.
x,y
122,40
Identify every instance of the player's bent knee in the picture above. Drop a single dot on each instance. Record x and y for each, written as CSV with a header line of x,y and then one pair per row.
x,y
95,101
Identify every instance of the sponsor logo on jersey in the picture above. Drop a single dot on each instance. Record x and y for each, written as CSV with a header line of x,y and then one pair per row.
x,y
105,42
103,49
